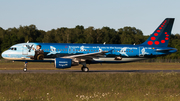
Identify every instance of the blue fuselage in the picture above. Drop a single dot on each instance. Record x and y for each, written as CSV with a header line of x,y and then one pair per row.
x,y
51,51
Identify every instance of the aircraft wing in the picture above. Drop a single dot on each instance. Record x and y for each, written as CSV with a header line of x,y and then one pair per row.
x,y
87,56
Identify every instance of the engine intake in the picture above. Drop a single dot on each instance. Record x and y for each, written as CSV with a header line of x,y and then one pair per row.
x,y
63,63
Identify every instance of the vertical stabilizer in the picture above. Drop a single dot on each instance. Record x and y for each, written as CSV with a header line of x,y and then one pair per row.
x,y
161,35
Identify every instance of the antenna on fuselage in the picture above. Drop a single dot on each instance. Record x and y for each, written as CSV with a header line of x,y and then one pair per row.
x,y
28,41
104,43
134,44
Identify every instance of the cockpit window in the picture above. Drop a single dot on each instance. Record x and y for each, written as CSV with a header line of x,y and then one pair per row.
x,y
12,48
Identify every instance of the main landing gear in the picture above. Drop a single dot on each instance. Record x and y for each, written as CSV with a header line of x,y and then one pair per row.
x,y
25,67
84,68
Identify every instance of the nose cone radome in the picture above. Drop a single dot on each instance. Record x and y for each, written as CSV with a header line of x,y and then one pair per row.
x,y
3,54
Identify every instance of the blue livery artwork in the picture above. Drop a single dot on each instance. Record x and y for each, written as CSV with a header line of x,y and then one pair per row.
x,y
65,55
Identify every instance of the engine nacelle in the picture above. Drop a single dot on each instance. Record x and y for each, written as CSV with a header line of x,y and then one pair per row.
x,y
63,63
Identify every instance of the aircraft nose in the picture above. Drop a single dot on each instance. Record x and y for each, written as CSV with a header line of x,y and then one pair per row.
x,y
4,54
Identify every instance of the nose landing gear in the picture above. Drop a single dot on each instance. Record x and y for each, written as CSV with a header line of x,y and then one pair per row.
x,y
25,67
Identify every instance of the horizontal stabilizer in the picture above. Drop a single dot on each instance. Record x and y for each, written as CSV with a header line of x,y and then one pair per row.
x,y
161,50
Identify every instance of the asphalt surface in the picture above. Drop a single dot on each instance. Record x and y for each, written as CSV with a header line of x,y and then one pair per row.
x,y
91,71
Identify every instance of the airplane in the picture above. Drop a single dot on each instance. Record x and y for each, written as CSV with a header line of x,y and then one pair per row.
x,y
66,55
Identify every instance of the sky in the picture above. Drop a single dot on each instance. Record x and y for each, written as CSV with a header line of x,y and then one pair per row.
x,y
145,15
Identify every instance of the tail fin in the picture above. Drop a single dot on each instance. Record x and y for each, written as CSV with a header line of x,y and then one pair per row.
x,y
161,35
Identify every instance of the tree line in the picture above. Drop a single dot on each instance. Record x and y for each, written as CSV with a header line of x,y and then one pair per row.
x,y
79,34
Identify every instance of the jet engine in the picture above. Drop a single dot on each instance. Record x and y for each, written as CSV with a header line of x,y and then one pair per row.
x,y
63,63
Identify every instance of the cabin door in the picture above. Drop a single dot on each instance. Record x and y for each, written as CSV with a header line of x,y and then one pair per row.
x,y
141,51
24,50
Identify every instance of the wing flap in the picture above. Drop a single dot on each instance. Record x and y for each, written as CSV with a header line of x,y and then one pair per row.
x,y
87,56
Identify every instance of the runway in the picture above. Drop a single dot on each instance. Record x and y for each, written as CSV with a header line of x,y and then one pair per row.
x,y
91,71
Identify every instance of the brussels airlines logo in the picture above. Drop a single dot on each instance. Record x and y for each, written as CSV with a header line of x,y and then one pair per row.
x,y
53,50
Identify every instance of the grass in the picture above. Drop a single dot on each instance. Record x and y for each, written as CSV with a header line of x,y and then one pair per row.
x,y
90,86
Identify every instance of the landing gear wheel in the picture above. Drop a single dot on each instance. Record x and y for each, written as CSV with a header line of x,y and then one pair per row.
x,y
25,69
85,69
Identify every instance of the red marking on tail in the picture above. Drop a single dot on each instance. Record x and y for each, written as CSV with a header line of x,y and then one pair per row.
x,y
150,42
162,41
153,38
166,38
155,34
158,31
157,42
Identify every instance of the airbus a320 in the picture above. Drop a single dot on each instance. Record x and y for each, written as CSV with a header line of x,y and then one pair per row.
x,y
65,55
